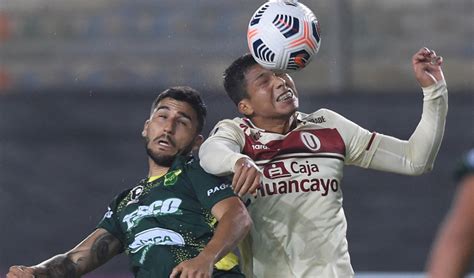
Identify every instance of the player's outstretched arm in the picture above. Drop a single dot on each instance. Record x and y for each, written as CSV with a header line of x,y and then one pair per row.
x,y
417,155
91,253
220,151
233,224
221,155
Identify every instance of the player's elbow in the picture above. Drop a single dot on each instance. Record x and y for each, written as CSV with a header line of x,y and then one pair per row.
x,y
245,222
420,170
206,161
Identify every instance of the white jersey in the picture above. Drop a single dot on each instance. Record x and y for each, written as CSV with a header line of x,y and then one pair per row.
x,y
299,224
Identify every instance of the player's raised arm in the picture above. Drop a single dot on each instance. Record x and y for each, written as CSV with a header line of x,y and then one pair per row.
x,y
427,67
417,155
92,252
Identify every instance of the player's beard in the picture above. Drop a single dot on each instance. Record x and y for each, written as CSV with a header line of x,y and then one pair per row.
x,y
166,160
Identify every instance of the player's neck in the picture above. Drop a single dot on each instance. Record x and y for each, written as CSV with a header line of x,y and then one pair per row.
x,y
275,125
155,169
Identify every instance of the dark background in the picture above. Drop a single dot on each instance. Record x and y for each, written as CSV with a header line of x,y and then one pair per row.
x,y
64,157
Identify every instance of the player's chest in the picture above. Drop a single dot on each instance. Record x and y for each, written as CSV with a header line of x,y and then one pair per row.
x,y
158,204
264,147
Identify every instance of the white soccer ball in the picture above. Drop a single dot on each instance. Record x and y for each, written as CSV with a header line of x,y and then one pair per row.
x,y
283,35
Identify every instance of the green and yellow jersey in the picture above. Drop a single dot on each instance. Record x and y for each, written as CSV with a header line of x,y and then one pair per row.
x,y
165,220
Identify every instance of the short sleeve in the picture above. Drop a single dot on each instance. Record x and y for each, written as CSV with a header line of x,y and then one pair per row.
x,y
110,221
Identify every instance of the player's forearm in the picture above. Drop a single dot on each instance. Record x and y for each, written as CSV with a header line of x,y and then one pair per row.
x,y
218,156
417,155
88,255
232,227
71,264
425,142
57,266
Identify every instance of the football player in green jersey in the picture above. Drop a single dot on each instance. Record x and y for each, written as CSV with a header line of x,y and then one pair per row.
x,y
166,224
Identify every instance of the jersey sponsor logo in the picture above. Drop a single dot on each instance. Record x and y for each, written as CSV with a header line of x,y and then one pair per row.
x,y
155,236
295,186
254,134
259,147
108,214
278,170
311,141
157,208
135,193
304,168
217,188
318,120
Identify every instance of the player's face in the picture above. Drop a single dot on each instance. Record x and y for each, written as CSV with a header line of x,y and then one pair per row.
x,y
171,130
271,95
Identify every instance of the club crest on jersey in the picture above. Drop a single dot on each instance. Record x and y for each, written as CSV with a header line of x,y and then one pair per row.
x,y
276,170
172,177
311,141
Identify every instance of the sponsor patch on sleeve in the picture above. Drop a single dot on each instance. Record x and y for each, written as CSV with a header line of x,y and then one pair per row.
x,y
217,188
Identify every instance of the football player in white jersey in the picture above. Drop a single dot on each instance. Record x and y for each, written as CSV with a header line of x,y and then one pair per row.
x,y
293,164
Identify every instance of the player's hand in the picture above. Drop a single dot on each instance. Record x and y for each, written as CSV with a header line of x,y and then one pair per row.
x,y
427,67
21,271
247,177
198,267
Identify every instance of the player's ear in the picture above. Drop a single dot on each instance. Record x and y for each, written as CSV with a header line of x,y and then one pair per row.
x,y
245,107
197,142
145,128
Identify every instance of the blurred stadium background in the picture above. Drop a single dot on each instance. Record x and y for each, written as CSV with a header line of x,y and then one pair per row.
x,y
77,79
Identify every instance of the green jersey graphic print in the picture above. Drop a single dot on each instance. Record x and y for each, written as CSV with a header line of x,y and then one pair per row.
x,y
166,221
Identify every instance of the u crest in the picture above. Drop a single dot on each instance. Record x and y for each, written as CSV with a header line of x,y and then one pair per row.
x,y
311,141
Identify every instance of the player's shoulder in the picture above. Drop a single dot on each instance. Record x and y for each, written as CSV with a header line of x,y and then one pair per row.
x,y
192,165
114,204
196,173
321,116
233,123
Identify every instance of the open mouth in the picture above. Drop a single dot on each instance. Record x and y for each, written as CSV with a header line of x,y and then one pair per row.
x,y
285,96
164,143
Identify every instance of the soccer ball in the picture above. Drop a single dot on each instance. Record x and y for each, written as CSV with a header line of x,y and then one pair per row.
x,y
283,35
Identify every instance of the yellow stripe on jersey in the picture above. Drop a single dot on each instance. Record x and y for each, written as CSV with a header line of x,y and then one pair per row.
x,y
154,178
227,262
